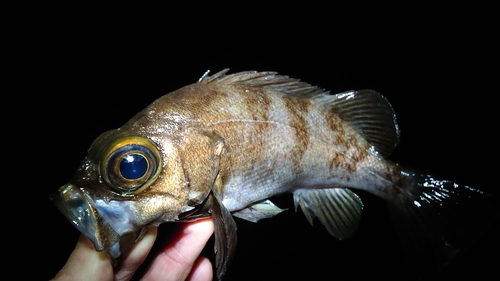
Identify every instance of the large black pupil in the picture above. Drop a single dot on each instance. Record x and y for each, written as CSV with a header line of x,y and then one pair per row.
x,y
133,166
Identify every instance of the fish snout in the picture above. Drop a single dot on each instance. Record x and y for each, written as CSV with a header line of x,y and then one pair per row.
x,y
83,212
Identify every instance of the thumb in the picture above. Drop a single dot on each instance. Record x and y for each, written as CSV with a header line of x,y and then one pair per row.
x,y
85,263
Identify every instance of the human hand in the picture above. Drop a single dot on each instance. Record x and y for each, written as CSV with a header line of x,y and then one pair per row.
x,y
178,260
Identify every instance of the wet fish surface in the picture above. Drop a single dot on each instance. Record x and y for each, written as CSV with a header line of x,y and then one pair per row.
x,y
223,146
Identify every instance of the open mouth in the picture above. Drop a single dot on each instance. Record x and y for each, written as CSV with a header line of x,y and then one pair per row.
x,y
80,210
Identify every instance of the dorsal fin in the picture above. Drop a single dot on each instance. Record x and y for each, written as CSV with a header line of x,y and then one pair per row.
x,y
366,110
369,113
266,79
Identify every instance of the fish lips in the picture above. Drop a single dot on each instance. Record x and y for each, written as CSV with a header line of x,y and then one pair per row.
x,y
92,220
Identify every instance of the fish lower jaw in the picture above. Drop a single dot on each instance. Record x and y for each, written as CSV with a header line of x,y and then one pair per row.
x,y
107,224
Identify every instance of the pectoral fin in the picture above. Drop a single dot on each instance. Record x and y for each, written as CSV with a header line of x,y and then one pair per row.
x,y
338,209
261,210
225,236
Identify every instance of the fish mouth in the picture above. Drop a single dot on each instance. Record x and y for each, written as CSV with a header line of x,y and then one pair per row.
x,y
94,222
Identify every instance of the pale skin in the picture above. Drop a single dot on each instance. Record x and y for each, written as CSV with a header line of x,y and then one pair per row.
x,y
179,258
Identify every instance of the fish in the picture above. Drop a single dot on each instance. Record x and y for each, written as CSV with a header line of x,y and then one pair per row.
x,y
225,145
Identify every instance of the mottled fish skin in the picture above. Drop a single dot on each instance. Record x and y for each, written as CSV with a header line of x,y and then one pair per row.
x,y
274,142
224,145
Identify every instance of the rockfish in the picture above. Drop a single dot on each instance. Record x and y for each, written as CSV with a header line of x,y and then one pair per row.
x,y
223,146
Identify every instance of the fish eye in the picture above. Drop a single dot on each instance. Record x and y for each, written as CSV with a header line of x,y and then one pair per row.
x,y
130,164
133,166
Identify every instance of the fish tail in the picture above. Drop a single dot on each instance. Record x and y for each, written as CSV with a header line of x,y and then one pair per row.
x,y
437,219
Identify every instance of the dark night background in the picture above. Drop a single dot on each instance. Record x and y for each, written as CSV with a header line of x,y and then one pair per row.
x,y
86,69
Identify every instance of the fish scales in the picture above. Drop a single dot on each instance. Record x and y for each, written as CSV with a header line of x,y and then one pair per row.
x,y
319,149
223,146
312,154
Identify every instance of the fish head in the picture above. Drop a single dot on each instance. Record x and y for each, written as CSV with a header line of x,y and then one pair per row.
x,y
127,183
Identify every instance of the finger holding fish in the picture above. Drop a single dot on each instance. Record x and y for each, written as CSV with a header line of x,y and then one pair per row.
x,y
180,257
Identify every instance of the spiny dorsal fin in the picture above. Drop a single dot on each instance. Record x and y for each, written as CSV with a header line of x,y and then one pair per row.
x,y
369,113
338,209
265,79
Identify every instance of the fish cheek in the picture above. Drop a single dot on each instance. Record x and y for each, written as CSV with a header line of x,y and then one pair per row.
x,y
167,197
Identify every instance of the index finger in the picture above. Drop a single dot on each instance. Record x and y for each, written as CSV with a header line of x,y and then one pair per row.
x,y
136,256
180,255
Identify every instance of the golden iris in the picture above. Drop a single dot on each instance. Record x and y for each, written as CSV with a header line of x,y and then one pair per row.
x,y
130,164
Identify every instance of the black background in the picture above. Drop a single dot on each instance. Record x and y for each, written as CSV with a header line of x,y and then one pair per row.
x,y
80,70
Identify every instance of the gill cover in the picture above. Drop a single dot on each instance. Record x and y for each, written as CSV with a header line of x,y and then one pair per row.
x,y
130,164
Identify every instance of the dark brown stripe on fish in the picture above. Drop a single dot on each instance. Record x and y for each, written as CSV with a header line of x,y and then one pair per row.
x,y
336,125
350,150
338,161
298,109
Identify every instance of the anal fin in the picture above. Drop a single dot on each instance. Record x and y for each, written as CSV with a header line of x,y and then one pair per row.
x,y
338,209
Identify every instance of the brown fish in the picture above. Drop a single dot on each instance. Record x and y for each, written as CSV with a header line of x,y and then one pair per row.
x,y
224,145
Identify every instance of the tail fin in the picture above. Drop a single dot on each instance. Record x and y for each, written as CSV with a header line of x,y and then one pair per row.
x,y
438,219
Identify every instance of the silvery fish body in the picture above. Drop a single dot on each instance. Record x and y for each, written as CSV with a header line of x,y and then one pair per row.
x,y
224,145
